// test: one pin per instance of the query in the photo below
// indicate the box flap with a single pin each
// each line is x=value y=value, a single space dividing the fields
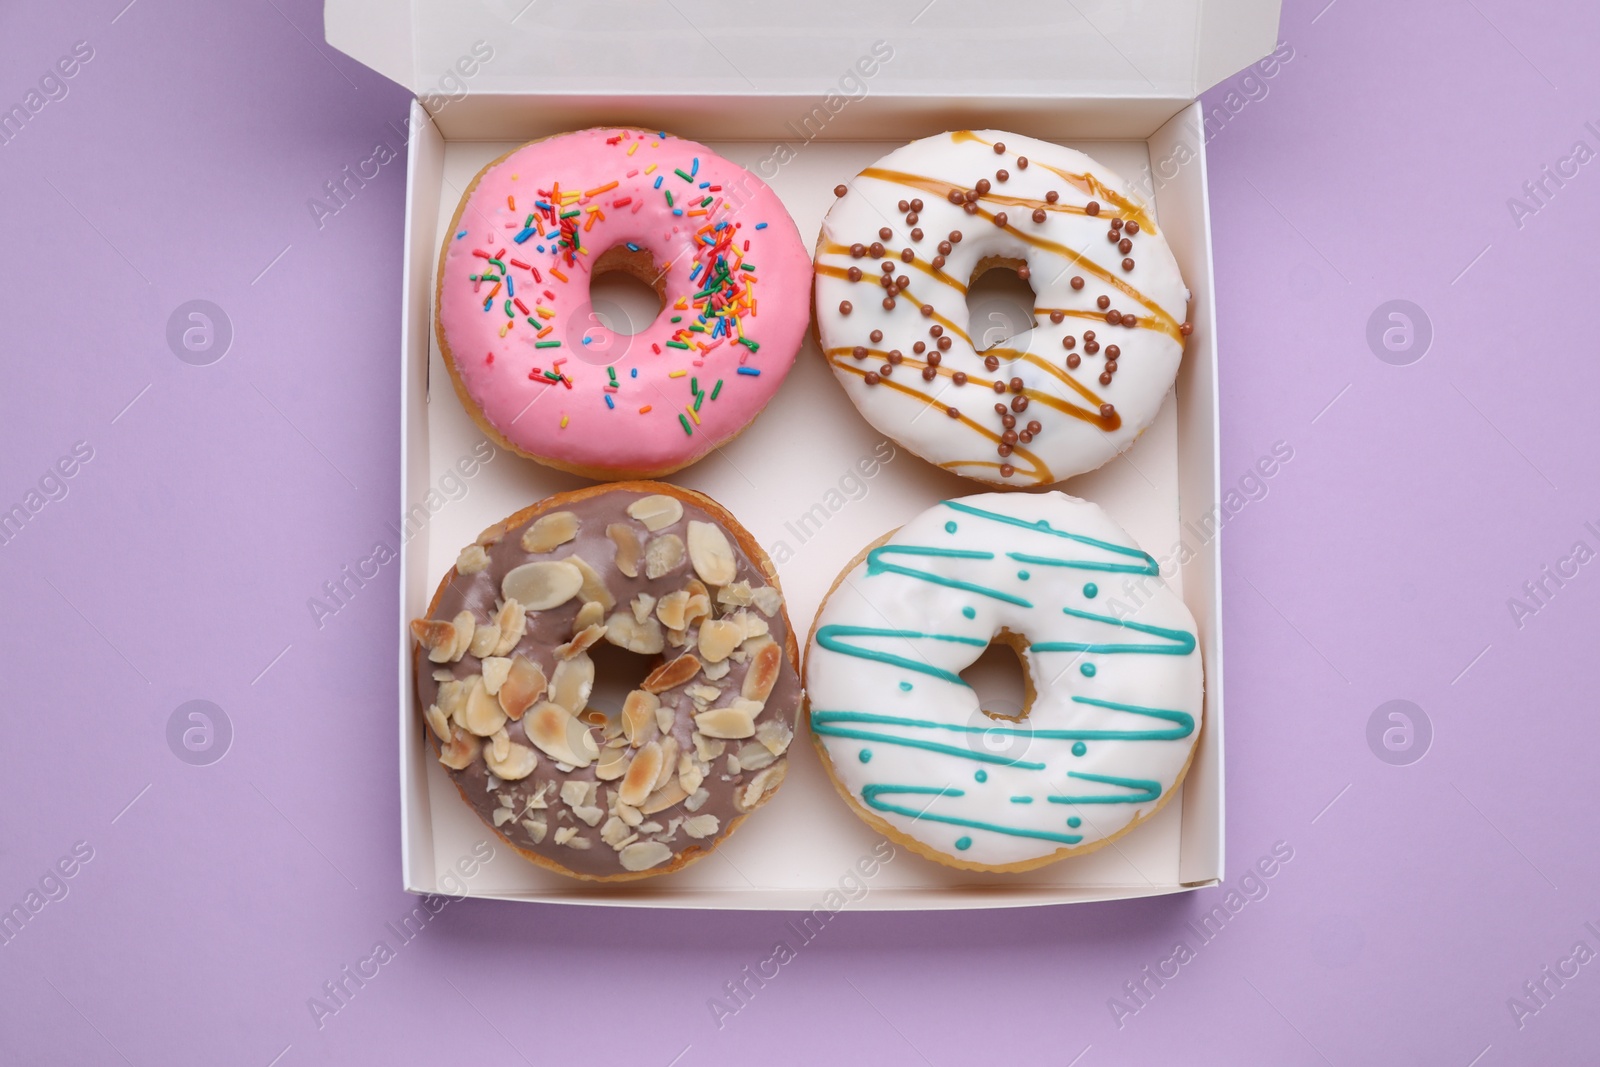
x=443 y=49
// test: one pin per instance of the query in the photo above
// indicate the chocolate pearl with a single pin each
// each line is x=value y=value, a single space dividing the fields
x=1127 y=264
x=937 y=261
x=1051 y=197
x=983 y=186
x=1024 y=273
x=1091 y=208
x=885 y=280
x=934 y=358
x=935 y=330
x=885 y=233
x=1069 y=342
x=999 y=387
x=1000 y=218
x=927 y=313
x=887 y=266
x=902 y=282
x=970 y=208
x=991 y=362
x=1019 y=403
x=1124 y=246
x=895 y=356
x=906 y=255
x=955 y=237
x=944 y=248
x=1091 y=347
x=1016 y=385
x=1007 y=419
x=1009 y=437
x=1186 y=329
x=952 y=412
x=1112 y=351
x=929 y=374
x=912 y=218
x=886 y=370
x=1003 y=449
x=969 y=196
x=919 y=348
x=944 y=343
x=845 y=307
x=1002 y=175
x=858 y=250
x=959 y=377
x=1034 y=427
x=1007 y=470
x=1073 y=360
x=1039 y=214
x=1106 y=411
x=1022 y=162
x=840 y=190
x=1025 y=437
x=1132 y=227
x=916 y=204
x=904 y=207
x=1102 y=302
x=1057 y=315
x=854 y=274
x=999 y=409
x=1077 y=283
x=875 y=336
x=1130 y=321
x=954 y=196
x=1088 y=335
x=875 y=249
x=1114 y=317
x=999 y=148
x=871 y=378
x=1105 y=379
x=1111 y=366
x=916 y=233
x=1116 y=224
x=859 y=351
x=888 y=303
x=1112 y=236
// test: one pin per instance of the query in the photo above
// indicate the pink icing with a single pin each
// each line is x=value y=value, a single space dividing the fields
x=569 y=422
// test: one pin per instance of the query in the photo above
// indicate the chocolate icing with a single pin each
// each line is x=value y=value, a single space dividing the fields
x=480 y=594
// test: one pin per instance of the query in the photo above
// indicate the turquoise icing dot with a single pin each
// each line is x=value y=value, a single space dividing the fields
x=963 y=843
x=1079 y=748
x=1024 y=575
x=1088 y=670
x=865 y=755
x=949 y=527
x=1091 y=590
x=905 y=687
x=969 y=612
x=982 y=776
x=1074 y=822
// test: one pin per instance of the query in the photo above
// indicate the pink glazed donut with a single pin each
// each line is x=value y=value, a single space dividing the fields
x=536 y=367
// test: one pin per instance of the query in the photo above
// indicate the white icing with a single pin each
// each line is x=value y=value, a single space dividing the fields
x=1066 y=445
x=875 y=598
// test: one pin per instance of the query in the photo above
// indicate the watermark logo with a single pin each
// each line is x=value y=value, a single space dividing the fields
x=1399 y=332
x=199 y=332
x=199 y=733
x=1399 y=733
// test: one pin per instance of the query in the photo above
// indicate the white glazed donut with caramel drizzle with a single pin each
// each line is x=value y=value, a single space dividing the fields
x=897 y=253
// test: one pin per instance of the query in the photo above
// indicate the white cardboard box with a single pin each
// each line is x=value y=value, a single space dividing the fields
x=801 y=850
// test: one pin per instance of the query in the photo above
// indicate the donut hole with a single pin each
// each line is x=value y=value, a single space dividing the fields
x=617 y=672
x=1001 y=680
x=1000 y=303
x=627 y=293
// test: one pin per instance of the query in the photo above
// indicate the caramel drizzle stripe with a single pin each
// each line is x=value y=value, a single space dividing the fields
x=1092 y=316
x=1114 y=422
x=1085 y=183
x=1040 y=473
x=844 y=272
x=1169 y=325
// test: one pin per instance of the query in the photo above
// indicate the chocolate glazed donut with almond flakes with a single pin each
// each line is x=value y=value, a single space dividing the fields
x=506 y=665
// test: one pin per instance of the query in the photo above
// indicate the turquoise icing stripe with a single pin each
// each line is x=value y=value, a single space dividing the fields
x=1085 y=565
x=1145 y=789
x=1182 y=641
x=912 y=742
x=1043 y=526
x=871 y=793
x=1183 y=724
x=829 y=638
x=875 y=565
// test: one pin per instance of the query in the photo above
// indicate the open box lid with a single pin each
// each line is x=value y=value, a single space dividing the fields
x=1157 y=49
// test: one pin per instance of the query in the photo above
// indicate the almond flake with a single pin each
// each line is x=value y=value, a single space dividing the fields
x=663 y=555
x=559 y=735
x=572 y=681
x=461 y=751
x=656 y=512
x=766 y=661
x=627 y=542
x=728 y=722
x=472 y=560
x=524 y=683
x=711 y=554
x=549 y=532
x=483 y=714
x=643 y=855
x=495 y=671
x=593 y=587
x=591 y=614
x=543 y=585
x=639 y=716
x=701 y=826
x=513 y=623
x=718 y=639
x=518 y=762
x=536 y=829
x=624 y=630
x=673 y=674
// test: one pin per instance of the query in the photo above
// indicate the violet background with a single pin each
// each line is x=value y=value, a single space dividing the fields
x=1420 y=498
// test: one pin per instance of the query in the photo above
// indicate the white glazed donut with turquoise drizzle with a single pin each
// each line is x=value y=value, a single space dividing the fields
x=1110 y=652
